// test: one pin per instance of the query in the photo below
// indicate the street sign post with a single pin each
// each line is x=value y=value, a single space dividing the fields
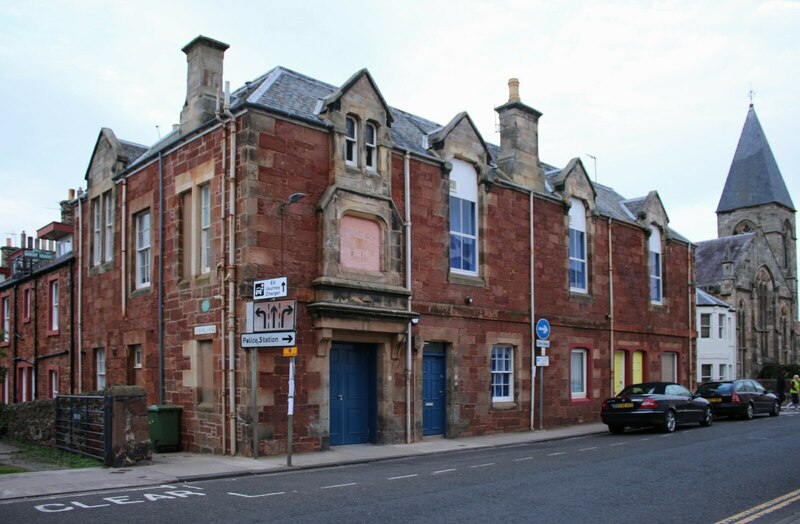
x=277 y=315
x=543 y=328
x=271 y=288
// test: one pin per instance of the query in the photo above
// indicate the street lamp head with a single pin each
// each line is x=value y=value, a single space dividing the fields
x=295 y=197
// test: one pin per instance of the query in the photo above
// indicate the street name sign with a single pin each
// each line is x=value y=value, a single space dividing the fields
x=274 y=339
x=542 y=343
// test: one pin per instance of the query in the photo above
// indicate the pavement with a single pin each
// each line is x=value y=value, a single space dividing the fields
x=170 y=468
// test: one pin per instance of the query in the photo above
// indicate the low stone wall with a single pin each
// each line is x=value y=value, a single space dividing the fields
x=33 y=422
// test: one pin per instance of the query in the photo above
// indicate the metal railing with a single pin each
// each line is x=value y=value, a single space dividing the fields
x=83 y=425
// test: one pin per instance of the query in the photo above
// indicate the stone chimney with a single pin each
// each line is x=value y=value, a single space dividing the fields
x=519 y=140
x=204 y=76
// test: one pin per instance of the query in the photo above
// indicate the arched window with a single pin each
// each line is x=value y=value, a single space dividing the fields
x=745 y=226
x=763 y=311
x=577 y=246
x=655 y=265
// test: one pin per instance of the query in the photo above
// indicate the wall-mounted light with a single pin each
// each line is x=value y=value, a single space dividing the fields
x=468 y=300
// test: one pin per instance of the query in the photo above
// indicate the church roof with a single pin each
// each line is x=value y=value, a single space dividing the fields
x=710 y=255
x=754 y=178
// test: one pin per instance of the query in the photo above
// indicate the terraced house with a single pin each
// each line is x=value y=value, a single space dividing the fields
x=417 y=259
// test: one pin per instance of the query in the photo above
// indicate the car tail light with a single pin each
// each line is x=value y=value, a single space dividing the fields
x=649 y=403
x=735 y=398
x=606 y=406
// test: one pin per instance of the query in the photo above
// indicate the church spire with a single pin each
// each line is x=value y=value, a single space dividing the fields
x=754 y=178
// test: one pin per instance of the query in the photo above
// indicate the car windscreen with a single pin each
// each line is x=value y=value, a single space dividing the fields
x=716 y=387
x=643 y=389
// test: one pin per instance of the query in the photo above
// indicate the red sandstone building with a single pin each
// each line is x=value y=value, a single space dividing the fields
x=420 y=257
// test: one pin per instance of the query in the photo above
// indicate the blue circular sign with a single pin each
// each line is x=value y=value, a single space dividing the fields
x=543 y=329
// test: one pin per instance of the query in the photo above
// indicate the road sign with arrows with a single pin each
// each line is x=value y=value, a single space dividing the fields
x=278 y=315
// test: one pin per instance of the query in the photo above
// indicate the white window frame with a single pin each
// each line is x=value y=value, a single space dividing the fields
x=100 y=365
x=351 y=141
x=97 y=242
x=577 y=377
x=577 y=239
x=53 y=289
x=108 y=237
x=655 y=263
x=52 y=380
x=371 y=147
x=705 y=325
x=137 y=356
x=6 y=319
x=142 y=222
x=502 y=366
x=26 y=303
x=204 y=221
x=721 y=325
x=463 y=193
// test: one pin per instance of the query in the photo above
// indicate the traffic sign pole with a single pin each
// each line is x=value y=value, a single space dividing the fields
x=291 y=413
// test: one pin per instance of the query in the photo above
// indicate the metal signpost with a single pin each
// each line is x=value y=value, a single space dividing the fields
x=542 y=334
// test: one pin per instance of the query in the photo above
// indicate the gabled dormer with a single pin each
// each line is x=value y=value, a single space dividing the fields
x=650 y=214
x=573 y=183
x=361 y=120
x=460 y=139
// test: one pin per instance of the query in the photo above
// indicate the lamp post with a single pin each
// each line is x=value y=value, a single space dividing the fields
x=293 y=198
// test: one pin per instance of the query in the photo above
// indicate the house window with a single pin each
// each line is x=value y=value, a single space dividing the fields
x=24 y=382
x=137 y=356
x=655 y=266
x=351 y=142
x=100 y=367
x=97 y=212
x=721 y=326
x=463 y=218
x=52 y=382
x=577 y=373
x=205 y=372
x=705 y=372
x=705 y=325
x=108 y=237
x=143 y=250
x=205 y=228
x=371 y=146
x=577 y=246
x=502 y=374
x=669 y=367
x=26 y=304
x=6 y=319
x=54 y=305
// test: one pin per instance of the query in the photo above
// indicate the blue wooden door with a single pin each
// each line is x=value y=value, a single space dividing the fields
x=352 y=394
x=434 y=408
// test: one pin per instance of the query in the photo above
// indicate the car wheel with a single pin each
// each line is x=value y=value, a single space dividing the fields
x=668 y=426
x=748 y=412
x=708 y=417
x=616 y=429
x=776 y=409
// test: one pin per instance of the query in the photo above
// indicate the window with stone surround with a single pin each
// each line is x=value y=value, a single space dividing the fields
x=6 y=307
x=205 y=228
x=654 y=243
x=102 y=228
x=100 y=368
x=53 y=299
x=142 y=221
x=577 y=373
x=371 y=146
x=463 y=218
x=205 y=372
x=351 y=142
x=502 y=373
x=669 y=367
x=577 y=246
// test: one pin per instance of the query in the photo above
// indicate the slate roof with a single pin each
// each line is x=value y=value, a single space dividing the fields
x=710 y=255
x=132 y=150
x=704 y=299
x=754 y=178
x=296 y=95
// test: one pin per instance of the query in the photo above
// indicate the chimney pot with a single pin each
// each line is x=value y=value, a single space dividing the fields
x=71 y=194
x=513 y=90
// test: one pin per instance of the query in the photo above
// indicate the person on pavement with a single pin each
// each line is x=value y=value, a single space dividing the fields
x=795 y=392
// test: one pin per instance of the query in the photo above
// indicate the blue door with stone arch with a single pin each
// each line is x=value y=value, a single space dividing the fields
x=434 y=401
x=353 y=404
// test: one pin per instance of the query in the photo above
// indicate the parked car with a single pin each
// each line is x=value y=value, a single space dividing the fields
x=742 y=397
x=660 y=404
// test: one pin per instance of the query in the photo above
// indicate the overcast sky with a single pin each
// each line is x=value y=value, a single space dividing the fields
x=656 y=91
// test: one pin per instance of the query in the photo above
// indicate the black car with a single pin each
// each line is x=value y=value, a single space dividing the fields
x=660 y=404
x=742 y=397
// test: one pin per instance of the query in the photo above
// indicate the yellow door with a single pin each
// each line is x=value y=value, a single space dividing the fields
x=638 y=367
x=619 y=371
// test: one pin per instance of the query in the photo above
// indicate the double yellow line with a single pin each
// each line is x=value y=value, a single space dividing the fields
x=766 y=508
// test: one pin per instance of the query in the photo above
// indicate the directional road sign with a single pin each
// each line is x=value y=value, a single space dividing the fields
x=275 y=339
x=543 y=328
x=272 y=288
x=278 y=315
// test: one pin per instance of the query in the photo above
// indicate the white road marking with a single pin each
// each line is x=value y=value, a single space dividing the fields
x=257 y=496
x=619 y=443
x=483 y=465
x=339 y=485
x=588 y=449
x=523 y=458
x=559 y=453
x=644 y=439
x=403 y=477
x=443 y=471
